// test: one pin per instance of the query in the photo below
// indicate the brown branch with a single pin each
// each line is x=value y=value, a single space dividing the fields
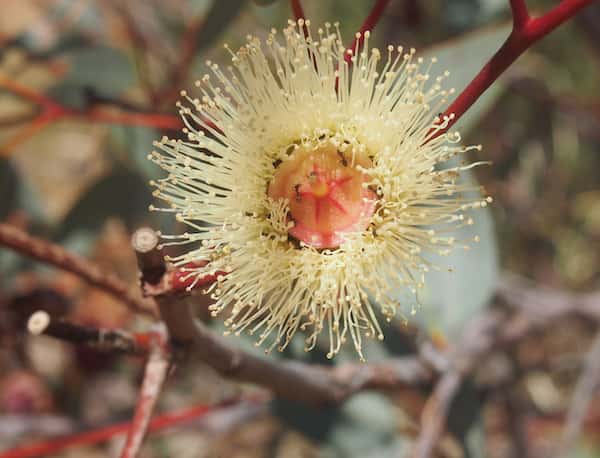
x=480 y=337
x=584 y=393
x=313 y=384
x=40 y=323
x=435 y=412
x=535 y=307
x=540 y=303
x=321 y=385
x=53 y=254
x=309 y=383
x=157 y=368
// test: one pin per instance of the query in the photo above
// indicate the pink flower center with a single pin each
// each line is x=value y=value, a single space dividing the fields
x=326 y=194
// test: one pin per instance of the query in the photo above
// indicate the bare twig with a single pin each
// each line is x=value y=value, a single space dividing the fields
x=50 y=110
x=584 y=392
x=539 y=303
x=160 y=422
x=479 y=338
x=53 y=254
x=157 y=368
x=433 y=418
x=103 y=339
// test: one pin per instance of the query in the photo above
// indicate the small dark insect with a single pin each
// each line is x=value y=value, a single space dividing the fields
x=343 y=160
x=277 y=163
x=297 y=191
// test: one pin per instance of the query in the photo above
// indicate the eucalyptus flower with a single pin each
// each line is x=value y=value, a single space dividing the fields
x=314 y=181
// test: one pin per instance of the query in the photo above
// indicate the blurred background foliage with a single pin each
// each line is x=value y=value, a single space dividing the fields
x=83 y=183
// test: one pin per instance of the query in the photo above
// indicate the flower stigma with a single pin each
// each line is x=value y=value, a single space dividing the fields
x=324 y=188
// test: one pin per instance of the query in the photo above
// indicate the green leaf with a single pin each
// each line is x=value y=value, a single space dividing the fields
x=216 y=20
x=463 y=58
x=365 y=426
x=450 y=299
x=106 y=70
x=135 y=143
x=15 y=194
x=9 y=182
x=123 y=194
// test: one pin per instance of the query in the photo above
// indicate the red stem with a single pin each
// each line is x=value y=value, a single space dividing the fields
x=525 y=33
x=520 y=13
x=52 y=111
x=299 y=14
x=297 y=9
x=369 y=24
x=158 y=423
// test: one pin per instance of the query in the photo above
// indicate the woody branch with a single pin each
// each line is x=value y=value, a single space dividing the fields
x=50 y=253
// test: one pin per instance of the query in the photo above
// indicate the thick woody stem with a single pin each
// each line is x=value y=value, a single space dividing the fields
x=308 y=383
x=302 y=382
x=157 y=368
x=53 y=254
x=40 y=323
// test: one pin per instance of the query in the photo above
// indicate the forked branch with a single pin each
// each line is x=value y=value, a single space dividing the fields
x=526 y=31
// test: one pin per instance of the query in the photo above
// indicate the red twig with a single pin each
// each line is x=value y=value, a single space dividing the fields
x=155 y=375
x=156 y=120
x=52 y=111
x=47 y=252
x=179 y=73
x=297 y=9
x=525 y=33
x=298 y=12
x=520 y=13
x=158 y=423
x=369 y=24
x=156 y=279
